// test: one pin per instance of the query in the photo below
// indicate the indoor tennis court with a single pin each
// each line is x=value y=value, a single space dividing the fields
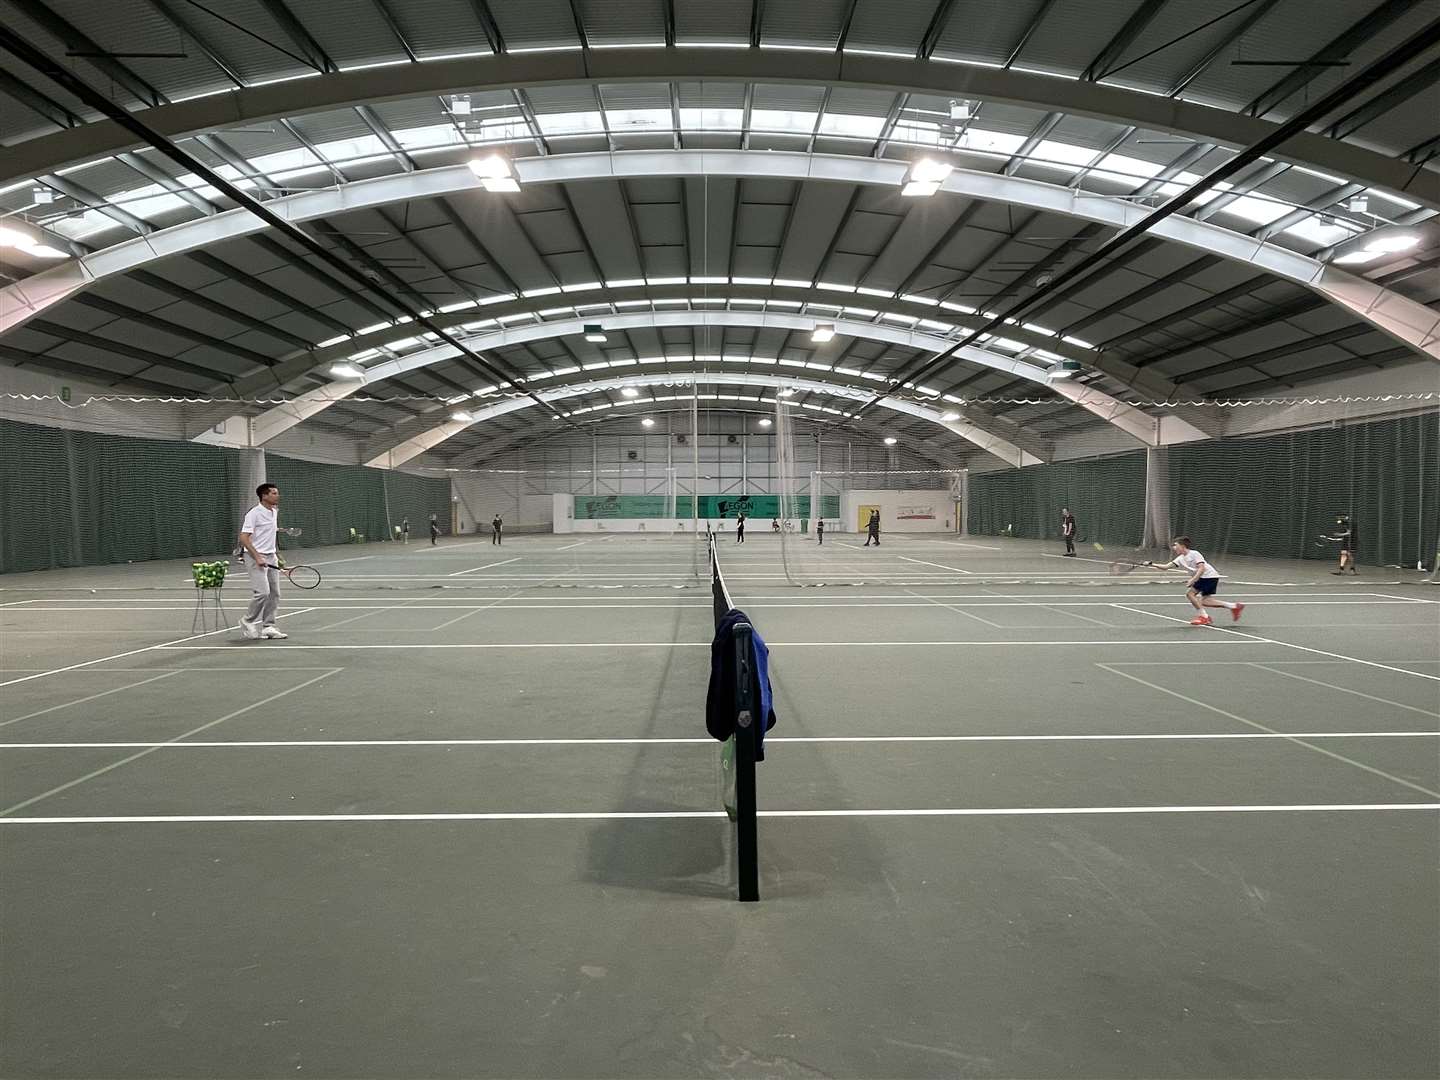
x=1017 y=829
x=435 y=437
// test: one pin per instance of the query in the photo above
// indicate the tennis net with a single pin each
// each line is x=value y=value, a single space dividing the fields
x=723 y=603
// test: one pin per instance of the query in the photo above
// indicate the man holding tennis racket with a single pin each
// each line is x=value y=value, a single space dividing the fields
x=258 y=538
x=1204 y=580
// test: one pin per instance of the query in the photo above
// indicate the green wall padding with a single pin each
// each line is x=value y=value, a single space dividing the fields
x=82 y=498
x=86 y=498
x=1106 y=495
x=326 y=501
x=1273 y=496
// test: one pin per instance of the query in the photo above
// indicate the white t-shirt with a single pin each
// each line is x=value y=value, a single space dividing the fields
x=1191 y=561
x=260 y=524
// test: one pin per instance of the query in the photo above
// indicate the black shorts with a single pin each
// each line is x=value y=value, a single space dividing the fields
x=1206 y=586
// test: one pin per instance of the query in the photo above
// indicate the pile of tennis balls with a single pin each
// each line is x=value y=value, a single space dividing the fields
x=209 y=575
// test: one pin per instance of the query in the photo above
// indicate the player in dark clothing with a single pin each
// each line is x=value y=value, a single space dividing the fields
x=1346 y=534
x=434 y=530
x=1067 y=530
x=872 y=531
x=740 y=528
x=497 y=530
x=820 y=529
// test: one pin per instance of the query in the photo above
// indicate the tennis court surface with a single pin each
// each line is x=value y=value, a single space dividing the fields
x=1018 y=819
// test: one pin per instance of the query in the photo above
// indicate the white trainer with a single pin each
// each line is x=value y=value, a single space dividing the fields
x=249 y=630
x=273 y=632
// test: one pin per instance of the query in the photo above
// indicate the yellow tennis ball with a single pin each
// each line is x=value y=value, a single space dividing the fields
x=1099 y=547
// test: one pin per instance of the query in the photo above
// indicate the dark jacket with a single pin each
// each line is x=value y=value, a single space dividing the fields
x=720 y=704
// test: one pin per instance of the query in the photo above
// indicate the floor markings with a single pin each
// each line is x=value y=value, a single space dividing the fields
x=942 y=566
x=135 y=652
x=457 y=573
x=92 y=697
x=150 y=750
x=1347 y=690
x=1262 y=727
x=705 y=645
x=291 y=744
x=674 y=815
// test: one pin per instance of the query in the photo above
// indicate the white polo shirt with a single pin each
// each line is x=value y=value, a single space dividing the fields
x=260 y=523
x=1191 y=561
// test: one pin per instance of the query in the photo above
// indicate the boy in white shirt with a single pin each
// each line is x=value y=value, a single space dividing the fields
x=1204 y=581
x=257 y=537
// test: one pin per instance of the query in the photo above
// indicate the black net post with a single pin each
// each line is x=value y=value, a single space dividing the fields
x=746 y=733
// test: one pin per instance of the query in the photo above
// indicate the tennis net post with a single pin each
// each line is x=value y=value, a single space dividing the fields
x=746 y=733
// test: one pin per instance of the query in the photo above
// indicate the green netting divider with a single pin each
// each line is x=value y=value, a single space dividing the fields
x=82 y=498
x=1106 y=495
x=712 y=507
x=327 y=501
x=1273 y=495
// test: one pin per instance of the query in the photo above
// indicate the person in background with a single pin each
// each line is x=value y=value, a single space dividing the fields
x=1067 y=530
x=872 y=530
x=774 y=524
x=1345 y=533
x=405 y=530
x=497 y=526
x=257 y=537
x=1204 y=581
x=820 y=530
x=434 y=529
x=740 y=528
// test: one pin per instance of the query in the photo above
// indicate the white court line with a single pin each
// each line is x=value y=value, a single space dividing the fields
x=135 y=652
x=150 y=750
x=287 y=744
x=1347 y=690
x=962 y=611
x=1261 y=727
x=660 y=815
x=92 y=697
x=567 y=547
x=336 y=562
x=925 y=562
x=457 y=573
x=705 y=645
x=1287 y=644
x=841 y=595
x=366 y=614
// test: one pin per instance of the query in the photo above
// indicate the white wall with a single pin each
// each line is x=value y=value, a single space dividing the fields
x=902 y=511
x=480 y=496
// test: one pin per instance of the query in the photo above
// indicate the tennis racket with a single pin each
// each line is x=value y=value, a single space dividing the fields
x=1124 y=566
x=301 y=576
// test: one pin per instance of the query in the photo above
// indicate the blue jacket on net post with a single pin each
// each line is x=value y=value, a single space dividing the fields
x=720 y=703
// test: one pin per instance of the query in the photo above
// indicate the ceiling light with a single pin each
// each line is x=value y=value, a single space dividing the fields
x=949 y=417
x=460 y=416
x=347 y=371
x=15 y=238
x=787 y=393
x=494 y=173
x=43 y=196
x=594 y=332
x=647 y=422
x=1065 y=369
x=1395 y=242
x=629 y=391
x=822 y=333
x=890 y=440
x=460 y=105
x=1356 y=258
x=44 y=251
x=1359 y=204
x=918 y=189
x=764 y=423
x=960 y=110
x=930 y=171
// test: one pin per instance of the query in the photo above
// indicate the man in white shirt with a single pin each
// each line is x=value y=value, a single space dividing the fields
x=1204 y=581
x=257 y=537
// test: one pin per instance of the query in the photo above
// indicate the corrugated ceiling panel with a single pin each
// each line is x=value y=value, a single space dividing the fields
x=985 y=31
x=622 y=22
x=847 y=101
x=797 y=98
x=1278 y=36
x=803 y=22
x=712 y=95
x=329 y=126
x=535 y=24
x=441 y=27
x=415 y=113
x=351 y=33
x=253 y=55
x=1172 y=62
x=890 y=25
x=562 y=99
x=705 y=20
x=635 y=96
x=136 y=26
x=1073 y=35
